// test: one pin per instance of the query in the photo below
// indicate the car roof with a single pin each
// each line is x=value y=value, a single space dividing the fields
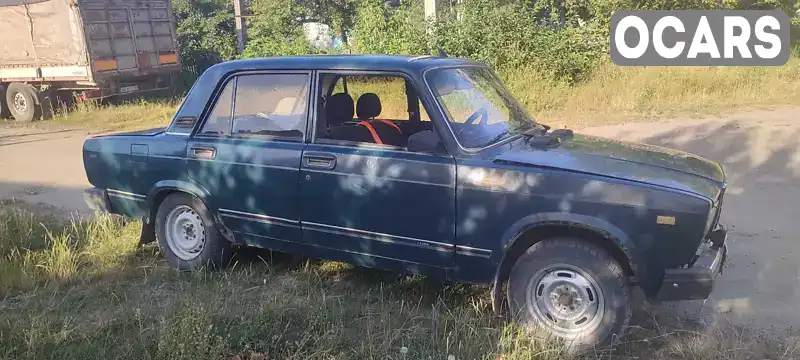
x=344 y=62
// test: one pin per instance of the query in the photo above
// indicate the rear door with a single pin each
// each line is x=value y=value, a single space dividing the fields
x=134 y=36
x=246 y=154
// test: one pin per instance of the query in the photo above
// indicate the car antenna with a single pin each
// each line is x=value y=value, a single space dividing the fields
x=441 y=52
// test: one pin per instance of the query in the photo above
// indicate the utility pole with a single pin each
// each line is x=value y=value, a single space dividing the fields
x=430 y=15
x=241 y=26
x=430 y=10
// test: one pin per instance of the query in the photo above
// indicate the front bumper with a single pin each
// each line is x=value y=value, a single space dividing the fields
x=697 y=281
x=97 y=200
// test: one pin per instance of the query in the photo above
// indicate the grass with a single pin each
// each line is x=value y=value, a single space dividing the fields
x=612 y=95
x=126 y=116
x=616 y=94
x=83 y=290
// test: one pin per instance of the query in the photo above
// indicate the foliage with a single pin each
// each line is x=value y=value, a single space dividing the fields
x=558 y=39
x=205 y=30
x=513 y=35
x=380 y=29
x=274 y=29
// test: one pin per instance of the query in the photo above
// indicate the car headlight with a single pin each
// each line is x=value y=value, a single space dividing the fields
x=710 y=221
x=714 y=213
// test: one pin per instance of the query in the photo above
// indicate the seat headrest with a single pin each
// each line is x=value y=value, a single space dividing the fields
x=369 y=106
x=339 y=108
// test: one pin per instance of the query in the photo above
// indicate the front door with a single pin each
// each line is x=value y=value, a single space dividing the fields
x=381 y=204
x=247 y=155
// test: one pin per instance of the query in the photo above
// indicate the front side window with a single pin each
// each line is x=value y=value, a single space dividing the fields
x=480 y=110
x=369 y=108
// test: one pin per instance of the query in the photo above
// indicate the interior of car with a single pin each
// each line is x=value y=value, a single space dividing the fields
x=375 y=109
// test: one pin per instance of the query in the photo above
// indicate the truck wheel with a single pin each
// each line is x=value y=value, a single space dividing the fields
x=23 y=102
x=187 y=234
x=572 y=290
x=3 y=106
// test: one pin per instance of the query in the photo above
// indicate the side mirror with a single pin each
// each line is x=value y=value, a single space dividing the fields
x=425 y=141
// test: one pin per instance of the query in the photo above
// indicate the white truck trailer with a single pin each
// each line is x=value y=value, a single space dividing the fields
x=85 y=48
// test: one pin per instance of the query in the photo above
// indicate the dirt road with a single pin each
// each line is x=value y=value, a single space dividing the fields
x=760 y=151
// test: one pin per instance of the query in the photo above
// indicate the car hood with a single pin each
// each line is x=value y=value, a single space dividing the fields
x=624 y=160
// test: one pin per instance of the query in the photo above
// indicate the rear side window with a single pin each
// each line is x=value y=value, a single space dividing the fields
x=271 y=105
x=219 y=120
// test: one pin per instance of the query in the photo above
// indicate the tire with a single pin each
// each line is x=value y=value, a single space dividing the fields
x=542 y=291
x=3 y=106
x=23 y=102
x=199 y=242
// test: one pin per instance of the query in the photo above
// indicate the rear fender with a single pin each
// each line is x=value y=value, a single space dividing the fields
x=161 y=190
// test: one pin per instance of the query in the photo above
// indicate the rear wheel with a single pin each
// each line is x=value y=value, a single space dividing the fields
x=23 y=102
x=187 y=234
x=3 y=106
x=573 y=291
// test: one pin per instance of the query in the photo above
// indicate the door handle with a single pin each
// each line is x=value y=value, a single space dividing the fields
x=204 y=153
x=324 y=161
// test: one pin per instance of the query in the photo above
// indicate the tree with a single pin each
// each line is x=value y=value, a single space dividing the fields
x=205 y=31
x=276 y=29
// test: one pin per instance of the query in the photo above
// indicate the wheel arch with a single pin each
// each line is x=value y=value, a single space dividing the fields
x=535 y=228
x=161 y=190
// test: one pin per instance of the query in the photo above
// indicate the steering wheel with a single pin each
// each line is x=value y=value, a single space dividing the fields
x=472 y=132
x=482 y=112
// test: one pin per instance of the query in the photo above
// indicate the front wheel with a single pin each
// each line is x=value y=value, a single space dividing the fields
x=573 y=290
x=187 y=234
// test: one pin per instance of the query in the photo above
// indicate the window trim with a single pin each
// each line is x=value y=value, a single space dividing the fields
x=233 y=76
x=355 y=144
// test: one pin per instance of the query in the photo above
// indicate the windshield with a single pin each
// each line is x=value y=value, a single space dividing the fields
x=480 y=110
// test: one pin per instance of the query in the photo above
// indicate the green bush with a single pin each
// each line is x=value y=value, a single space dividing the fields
x=514 y=35
x=380 y=29
x=560 y=40
x=275 y=31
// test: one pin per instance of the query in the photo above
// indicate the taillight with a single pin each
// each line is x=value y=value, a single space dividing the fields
x=168 y=58
x=105 y=65
x=91 y=94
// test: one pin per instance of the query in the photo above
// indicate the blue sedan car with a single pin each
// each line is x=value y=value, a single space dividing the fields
x=423 y=165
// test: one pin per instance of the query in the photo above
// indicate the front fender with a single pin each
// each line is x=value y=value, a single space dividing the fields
x=648 y=277
x=611 y=232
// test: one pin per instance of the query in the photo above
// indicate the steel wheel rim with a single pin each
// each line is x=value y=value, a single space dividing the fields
x=185 y=232
x=20 y=104
x=565 y=299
